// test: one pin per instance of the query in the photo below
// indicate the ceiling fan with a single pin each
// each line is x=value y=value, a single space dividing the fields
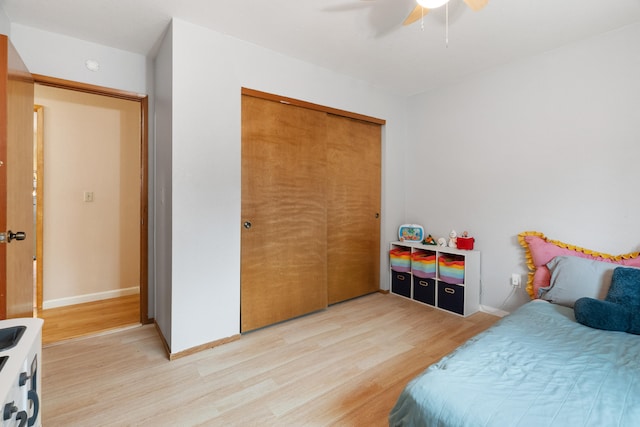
x=423 y=7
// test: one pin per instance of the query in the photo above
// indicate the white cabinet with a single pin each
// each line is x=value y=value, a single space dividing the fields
x=21 y=371
x=443 y=277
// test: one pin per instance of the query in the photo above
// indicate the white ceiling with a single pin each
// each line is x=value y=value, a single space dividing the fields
x=361 y=38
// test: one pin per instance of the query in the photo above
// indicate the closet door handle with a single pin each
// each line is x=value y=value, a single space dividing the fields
x=247 y=224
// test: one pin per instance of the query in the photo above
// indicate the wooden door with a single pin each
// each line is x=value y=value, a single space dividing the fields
x=16 y=183
x=353 y=207
x=283 y=243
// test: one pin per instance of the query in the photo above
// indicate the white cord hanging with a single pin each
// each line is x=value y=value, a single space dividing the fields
x=446 y=36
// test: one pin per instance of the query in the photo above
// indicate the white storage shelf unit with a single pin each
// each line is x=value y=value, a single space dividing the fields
x=443 y=277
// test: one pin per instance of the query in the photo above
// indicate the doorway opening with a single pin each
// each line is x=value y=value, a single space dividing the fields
x=96 y=188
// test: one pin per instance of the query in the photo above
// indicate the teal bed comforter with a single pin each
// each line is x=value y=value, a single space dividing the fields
x=535 y=367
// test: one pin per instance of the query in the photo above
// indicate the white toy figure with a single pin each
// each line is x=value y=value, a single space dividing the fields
x=442 y=241
x=453 y=239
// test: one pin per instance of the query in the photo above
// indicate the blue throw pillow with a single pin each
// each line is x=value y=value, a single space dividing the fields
x=620 y=311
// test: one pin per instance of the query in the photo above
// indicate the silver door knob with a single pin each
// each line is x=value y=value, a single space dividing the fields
x=247 y=224
x=20 y=235
x=10 y=235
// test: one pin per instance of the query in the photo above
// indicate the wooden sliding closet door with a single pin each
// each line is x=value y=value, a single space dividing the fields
x=283 y=243
x=353 y=207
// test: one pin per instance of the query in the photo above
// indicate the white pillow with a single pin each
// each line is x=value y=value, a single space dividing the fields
x=575 y=277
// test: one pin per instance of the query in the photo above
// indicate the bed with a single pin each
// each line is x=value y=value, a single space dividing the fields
x=537 y=367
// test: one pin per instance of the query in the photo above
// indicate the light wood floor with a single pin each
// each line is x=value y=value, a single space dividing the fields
x=64 y=323
x=343 y=366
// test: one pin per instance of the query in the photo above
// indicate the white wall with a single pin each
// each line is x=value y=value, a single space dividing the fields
x=162 y=122
x=151 y=172
x=209 y=70
x=5 y=24
x=550 y=144
x=64 y=57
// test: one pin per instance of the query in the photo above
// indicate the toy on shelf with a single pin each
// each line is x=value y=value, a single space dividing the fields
x=411 y=233
x=429 y=240
x=465 y=242
x=453 y=237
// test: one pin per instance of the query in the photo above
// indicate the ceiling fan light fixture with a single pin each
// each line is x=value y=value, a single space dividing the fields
x=432 y=4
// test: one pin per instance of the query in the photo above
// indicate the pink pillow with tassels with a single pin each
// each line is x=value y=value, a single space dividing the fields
x=541 y=250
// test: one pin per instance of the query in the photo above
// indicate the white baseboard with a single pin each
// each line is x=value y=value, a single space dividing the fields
x=79 y=299
x=494 y=311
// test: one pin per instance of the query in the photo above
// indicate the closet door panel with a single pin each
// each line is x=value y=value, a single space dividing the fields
x=353 y=207
x=283 y=251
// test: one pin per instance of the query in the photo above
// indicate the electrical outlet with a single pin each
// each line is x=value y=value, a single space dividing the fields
x=88 y=196
x=515 y=280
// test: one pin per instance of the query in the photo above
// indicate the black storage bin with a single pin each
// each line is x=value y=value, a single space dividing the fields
x=451 y=297
x=401 y=283
x=424 y=290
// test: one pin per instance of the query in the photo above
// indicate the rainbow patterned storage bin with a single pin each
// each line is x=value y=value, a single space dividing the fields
x=423 y=264
x=400 y=259
x=451 y=269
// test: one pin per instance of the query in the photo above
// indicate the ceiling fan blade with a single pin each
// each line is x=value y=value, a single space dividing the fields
x=417 y=13
x=476 y=5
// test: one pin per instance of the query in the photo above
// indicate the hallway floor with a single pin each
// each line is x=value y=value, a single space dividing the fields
x=92 y=318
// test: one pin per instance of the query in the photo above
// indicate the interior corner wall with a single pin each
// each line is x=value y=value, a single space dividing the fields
x=209 y=69
x=549 y=143
x=162 y=123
